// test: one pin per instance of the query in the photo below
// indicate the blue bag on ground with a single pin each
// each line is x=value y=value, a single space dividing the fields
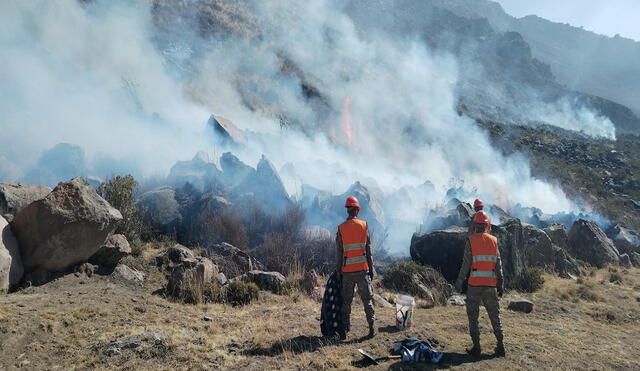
x=331 y=311
x=413 y=349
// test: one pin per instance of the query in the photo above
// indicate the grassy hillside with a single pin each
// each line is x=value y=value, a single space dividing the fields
x=74 y=322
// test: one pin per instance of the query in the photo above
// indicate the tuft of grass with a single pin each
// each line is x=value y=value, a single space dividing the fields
x=239 y=293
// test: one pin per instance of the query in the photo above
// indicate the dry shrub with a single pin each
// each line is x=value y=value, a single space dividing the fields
x=530 y=280
x=119 y=191
x=580 y=290
x=212 y=227
x=615 y=277
x=405 y=277
x=239 y=293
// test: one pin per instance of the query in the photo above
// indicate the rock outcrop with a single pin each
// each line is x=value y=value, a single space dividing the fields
x=65 y=228
x=192 y=274
x=15 y=196
x=588 y=242
x=511 y=243
x=200 y=172
x=231 y=260
x=268 y=281
x=538 y=250
x=160 y=209
x=227 y=133
x=625 y=239
x=442 y=250
x=112 y=251
x=558 y=235
x=10 y=261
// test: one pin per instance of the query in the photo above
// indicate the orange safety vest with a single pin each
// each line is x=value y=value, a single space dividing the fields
x=354 y=242
x=484 y=252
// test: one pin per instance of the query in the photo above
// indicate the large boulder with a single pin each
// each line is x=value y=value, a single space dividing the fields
x=231 y=260
x=625 y=260
x=190 y=276
x=565 y=264
x=268 y=281
x=65 y=228
x=635 y=259
x=161 y=209
x=588 y=242
x=15 y=196
x=626 y=240
x=234 y=171
x=10 y=261
x=558 y=235
x=538 y=247
x=227 y=132
x=268 y=186
x=442 y=250
x=112 y=251
x=174 y=255
x=511 y=242
x=200 y=171
x=197 y=222
x=328 y=211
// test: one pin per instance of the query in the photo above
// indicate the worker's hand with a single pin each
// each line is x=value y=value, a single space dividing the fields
x=500 y=291
x=371 y=275
x=459 y=285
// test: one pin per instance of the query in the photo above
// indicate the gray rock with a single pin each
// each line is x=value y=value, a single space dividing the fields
x=565 y=264
x=160 y=209
x=147 y=345
x=112 y=251
x=511 y=242
x=231 y=260
x=200 y=172
x=15 y=196
x=11 y=269
x=520 y=305
x=626 y=240
x=127 y=273
x=558 y=235
x=65 y=228
x=442 y=250
x=221 y=278
x=191 y=275
x=234 y=171
x=268 y=281
x=589 y=243
x=227 y=133
x=174 y=255
x=538 y=250
x=635 y=259
x=382 y=302
x=625 y=260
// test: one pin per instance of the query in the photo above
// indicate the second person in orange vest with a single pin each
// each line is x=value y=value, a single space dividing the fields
x=482 y=263
x=355 y=264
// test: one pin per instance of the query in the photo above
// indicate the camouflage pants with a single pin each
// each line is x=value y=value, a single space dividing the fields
x=349 y=281
x=488 y=296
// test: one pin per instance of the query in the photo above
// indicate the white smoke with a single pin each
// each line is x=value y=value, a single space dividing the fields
x=93 y=77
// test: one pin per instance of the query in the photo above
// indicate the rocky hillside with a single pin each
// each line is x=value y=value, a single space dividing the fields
x=605 y=174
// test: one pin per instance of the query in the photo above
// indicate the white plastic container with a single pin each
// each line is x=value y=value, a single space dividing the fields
x=405 y=305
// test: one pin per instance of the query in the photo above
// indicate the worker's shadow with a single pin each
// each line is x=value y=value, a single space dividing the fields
x=448 y=360
x=296 y=345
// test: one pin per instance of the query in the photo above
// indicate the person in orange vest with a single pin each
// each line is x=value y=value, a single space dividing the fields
x=355 y=265
x=478 y=206
x=483 y=265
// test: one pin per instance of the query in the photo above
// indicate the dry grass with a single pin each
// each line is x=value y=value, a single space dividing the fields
x=63 y=324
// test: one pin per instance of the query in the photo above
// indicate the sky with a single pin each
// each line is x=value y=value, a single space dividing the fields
x=607 y=17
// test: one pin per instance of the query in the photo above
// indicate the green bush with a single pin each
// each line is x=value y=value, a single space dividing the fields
x=119 y=191
x=239 y=293
x=530 y=280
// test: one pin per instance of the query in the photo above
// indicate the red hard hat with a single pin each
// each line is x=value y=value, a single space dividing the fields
x=478 y=203
x=352 y=202
x=482 y=218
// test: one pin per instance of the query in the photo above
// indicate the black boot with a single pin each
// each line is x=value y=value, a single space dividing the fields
x=372 y=331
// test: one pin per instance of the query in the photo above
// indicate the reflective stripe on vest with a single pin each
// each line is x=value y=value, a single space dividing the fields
x=354 y=241
x=484 y=253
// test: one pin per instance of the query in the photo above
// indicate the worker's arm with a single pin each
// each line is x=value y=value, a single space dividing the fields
x=466 y=266
x=339 y=252
x=369 y=254
x=499 y=277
